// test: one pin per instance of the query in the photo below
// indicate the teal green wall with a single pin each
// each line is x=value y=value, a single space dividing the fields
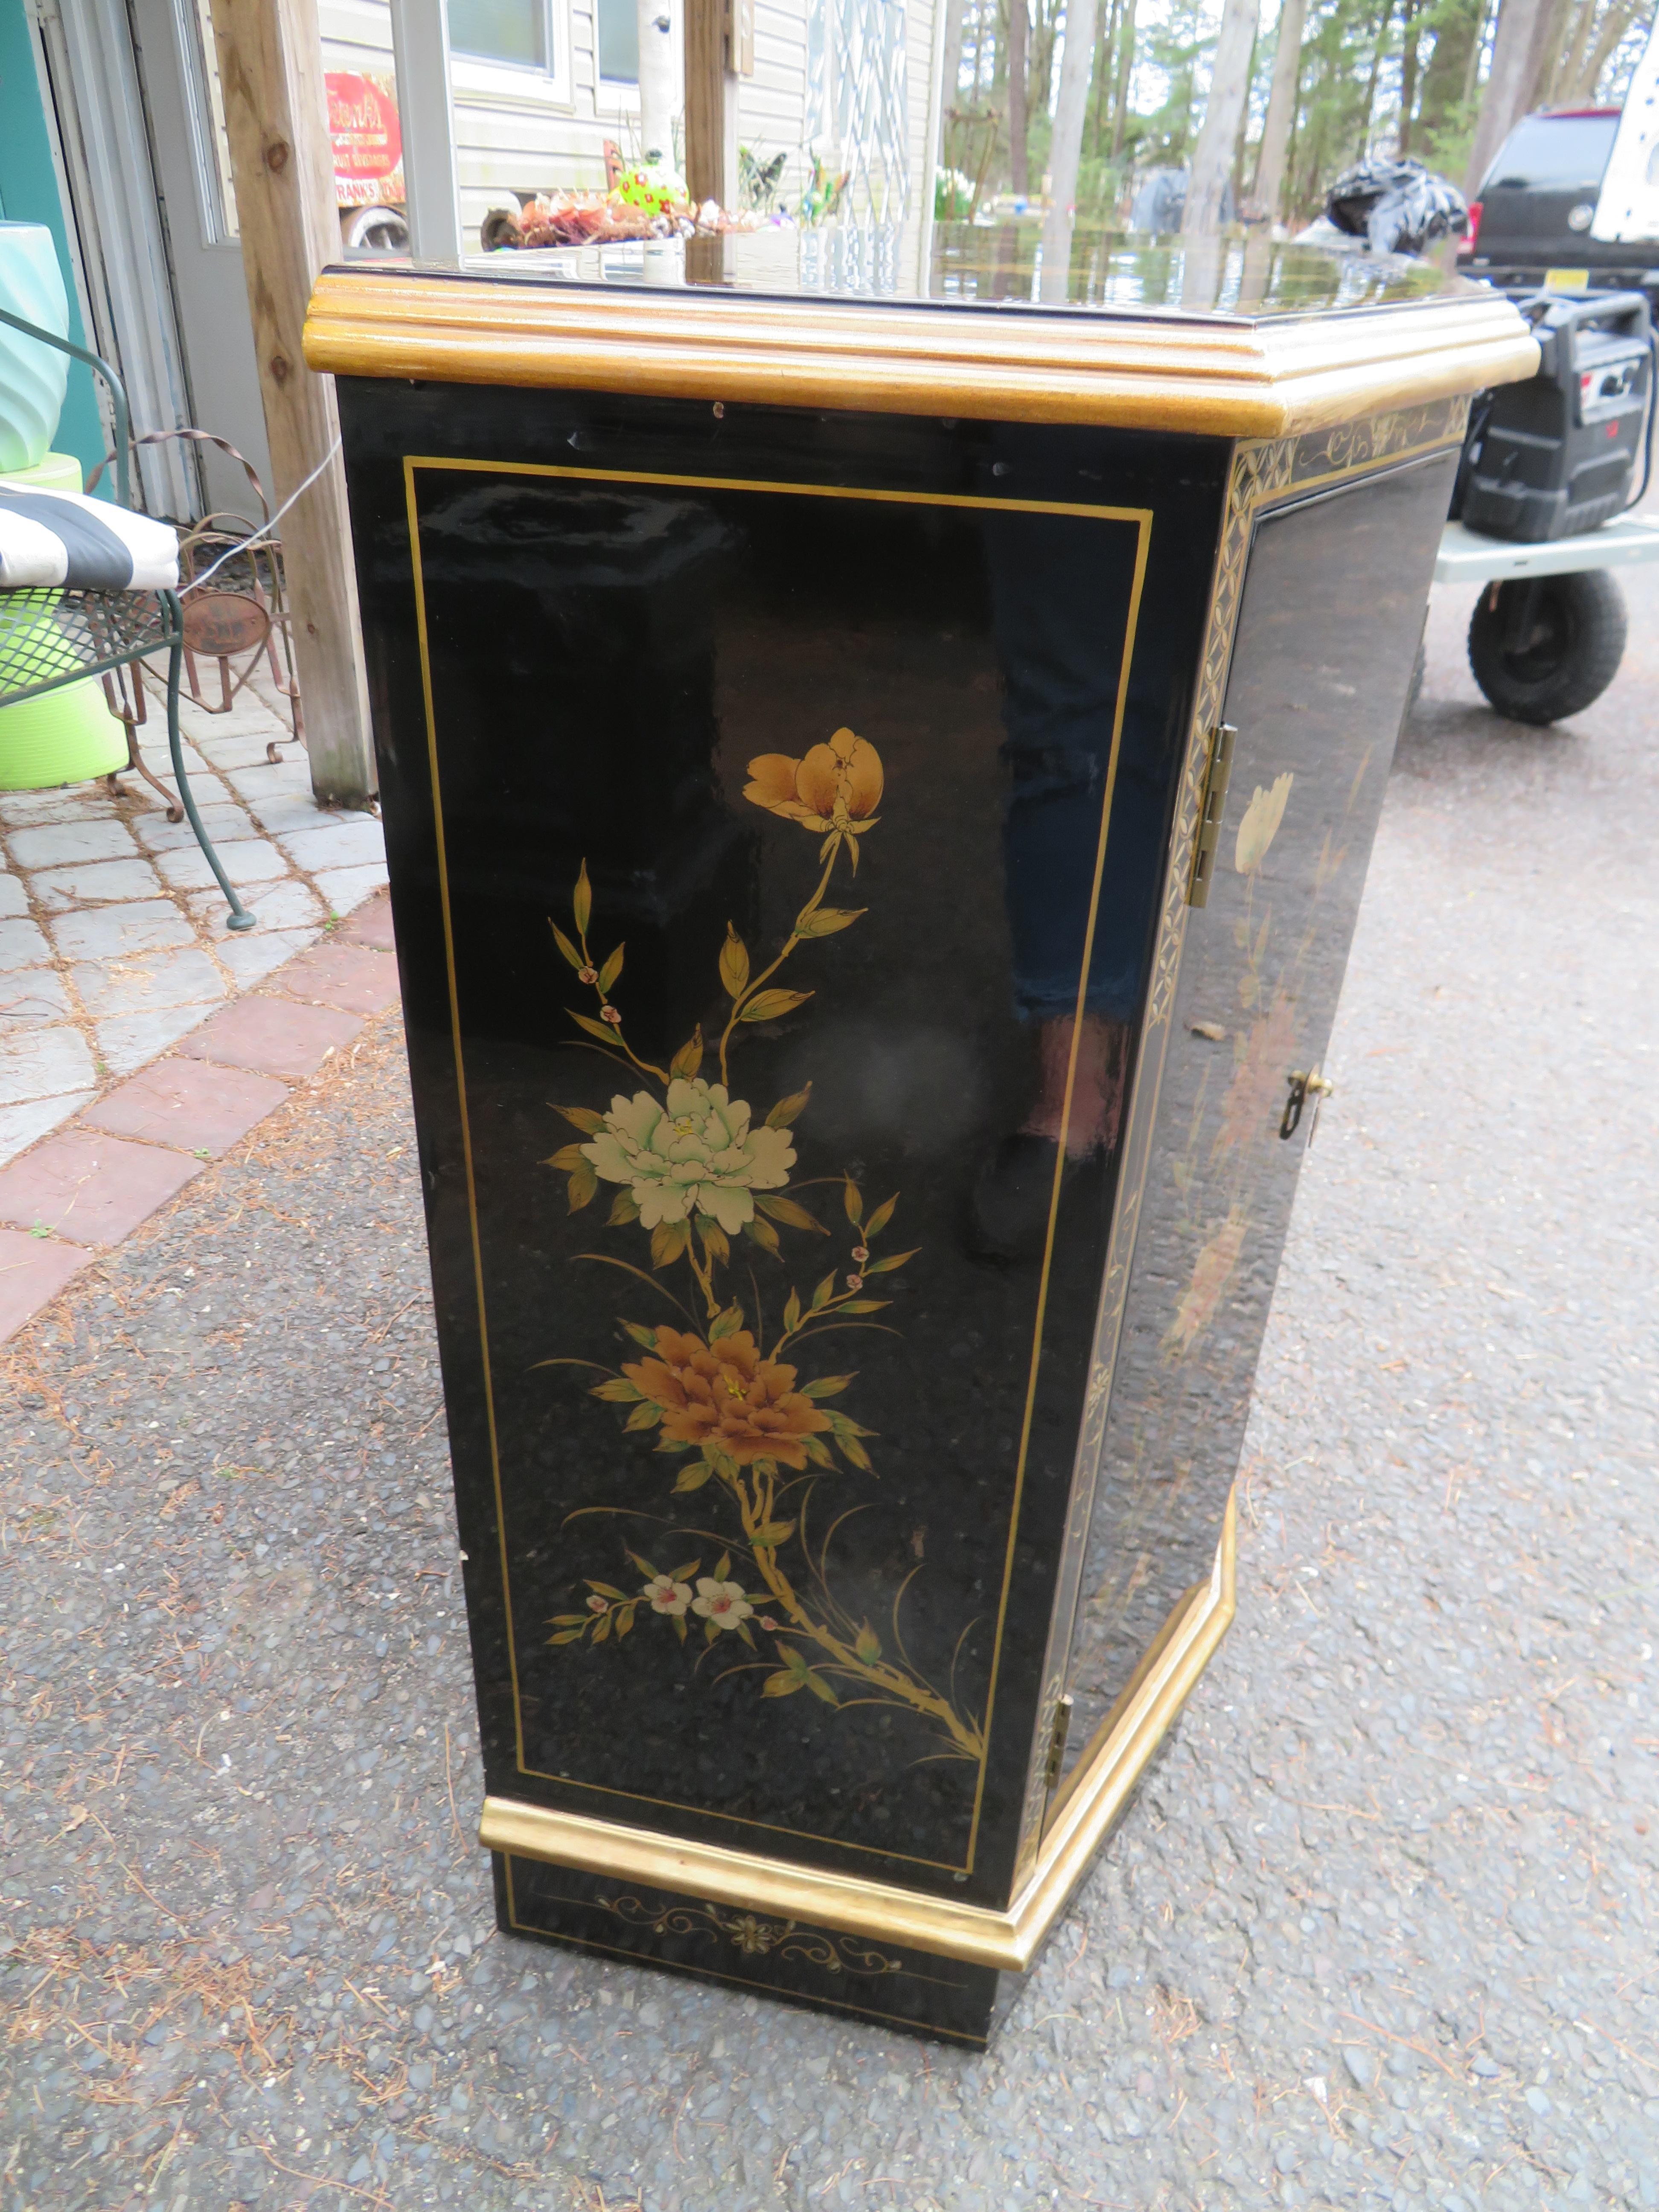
x=29 y=193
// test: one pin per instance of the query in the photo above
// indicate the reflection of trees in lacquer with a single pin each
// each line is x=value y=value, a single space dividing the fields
x=721 y=1389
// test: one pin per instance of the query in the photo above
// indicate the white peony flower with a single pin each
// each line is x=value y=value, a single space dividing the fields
x=724 y=1603
x=697 y=1156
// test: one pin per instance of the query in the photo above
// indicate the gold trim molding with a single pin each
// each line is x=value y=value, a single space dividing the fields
x=1217 y=375
x=1008 y=1939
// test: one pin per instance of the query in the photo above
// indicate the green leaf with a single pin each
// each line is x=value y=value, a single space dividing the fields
x=845 y=1425
x=566 y=1160
x=569 y=1635
x=818 y=1451
x=787 y=1109
x=775 y=1685
x=713 y=1238
x=825 y=921
x=723 y=1568
x=689 y=1058
x=820 y=1688
x=710 y=1631
x=821 y=1295
x=764 y=1235
x=583 y=1187
x=773 y=1006
x=606 y=1589
x=679 y=1625
x=581 y=902
x=725 y=1324
x=868 y=1645
x=791 y=1313
x=886 y=1267
x=646 y=1416
x=685 y=1574
x=786 y=1211
x=725 y=1466
x=853 y=1451
x=603 y=1030
x=743 y=1631
x=609 y=973
x=617 y=1391
x=879 y=1219
x=771 y=1533
x=692 y=1477
x=623 y=1210
x=602 y=1627
x=641 y=1334
x=565 y=945
x=734 y=963
x=624 y=1623
x=864 y=1305
x=567 y=1620
x=644 y=1565
x=853 y=1201
x=823 y=1386
x=582 y=1118
x=668 y=1239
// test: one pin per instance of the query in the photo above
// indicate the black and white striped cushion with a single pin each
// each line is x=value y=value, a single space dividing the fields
x=59 y=537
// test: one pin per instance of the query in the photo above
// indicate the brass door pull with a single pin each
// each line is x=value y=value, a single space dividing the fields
x=1305 y=1084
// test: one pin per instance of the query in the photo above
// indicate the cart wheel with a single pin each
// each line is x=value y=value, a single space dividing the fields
x=1550 y=644
x=1414 y=689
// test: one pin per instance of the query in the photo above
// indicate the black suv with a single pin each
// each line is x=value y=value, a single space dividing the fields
x=1536 y=205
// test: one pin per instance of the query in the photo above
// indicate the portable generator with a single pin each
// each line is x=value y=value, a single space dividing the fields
x=1558 y=454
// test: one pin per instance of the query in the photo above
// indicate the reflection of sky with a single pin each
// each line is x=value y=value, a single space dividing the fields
x=1125 y=269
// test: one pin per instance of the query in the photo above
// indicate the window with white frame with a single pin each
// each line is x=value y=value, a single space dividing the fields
x=513 y=31
x=616 y=28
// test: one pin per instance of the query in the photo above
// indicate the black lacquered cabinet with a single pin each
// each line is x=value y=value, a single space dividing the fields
x=876 y=799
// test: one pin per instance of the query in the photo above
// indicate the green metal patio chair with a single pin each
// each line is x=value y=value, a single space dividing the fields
x=54 y=635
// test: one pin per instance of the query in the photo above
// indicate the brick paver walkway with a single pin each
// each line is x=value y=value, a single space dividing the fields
x=90 y=1184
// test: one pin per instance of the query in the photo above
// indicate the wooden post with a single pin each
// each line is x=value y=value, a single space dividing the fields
x=710 y=149
x=270 y=65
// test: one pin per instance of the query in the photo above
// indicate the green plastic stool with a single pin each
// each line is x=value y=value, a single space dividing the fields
x=68 y=736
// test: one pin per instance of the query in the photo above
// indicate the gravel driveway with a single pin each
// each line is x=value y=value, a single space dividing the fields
x=1381 y=1929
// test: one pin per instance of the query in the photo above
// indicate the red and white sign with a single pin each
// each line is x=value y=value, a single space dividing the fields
x=368 y=141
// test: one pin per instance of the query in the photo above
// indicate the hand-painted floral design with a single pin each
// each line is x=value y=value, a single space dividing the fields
x=693 y=1169
x=664 y=1594
x=1211 y=1273
x=836 y=790
x=727 y=1394
x=724 y=1603
x=1259 y=824
x=694 y=1153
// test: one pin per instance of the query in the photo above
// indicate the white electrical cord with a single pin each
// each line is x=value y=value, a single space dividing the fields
x=264 y=531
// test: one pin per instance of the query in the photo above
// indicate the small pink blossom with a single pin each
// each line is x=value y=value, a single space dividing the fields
x=599 y=1605
x=860 y=1253
x=587 y=975
x=855 y=1282
x=770 y=1626
x=609 y=1014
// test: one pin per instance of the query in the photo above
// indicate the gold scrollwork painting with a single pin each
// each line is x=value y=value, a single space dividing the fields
x=756 y=1937
x=734 y=1395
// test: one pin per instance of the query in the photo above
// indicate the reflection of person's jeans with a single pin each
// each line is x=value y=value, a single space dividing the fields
x=1060 y=590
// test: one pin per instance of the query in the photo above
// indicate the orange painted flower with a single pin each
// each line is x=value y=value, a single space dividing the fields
x=837 y=787
x=725 y=1396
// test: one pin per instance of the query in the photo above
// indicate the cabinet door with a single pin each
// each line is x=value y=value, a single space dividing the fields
x=1328 y=629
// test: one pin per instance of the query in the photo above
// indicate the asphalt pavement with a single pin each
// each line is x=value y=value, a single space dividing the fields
x=1381 y=1929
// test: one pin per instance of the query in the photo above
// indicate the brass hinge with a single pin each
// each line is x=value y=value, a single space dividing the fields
x=1057 y=1744
x=1217 y=776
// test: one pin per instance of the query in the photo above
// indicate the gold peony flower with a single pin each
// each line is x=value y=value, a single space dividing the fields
x=836 y=790
x=697 y=1155
x=725 y=1395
